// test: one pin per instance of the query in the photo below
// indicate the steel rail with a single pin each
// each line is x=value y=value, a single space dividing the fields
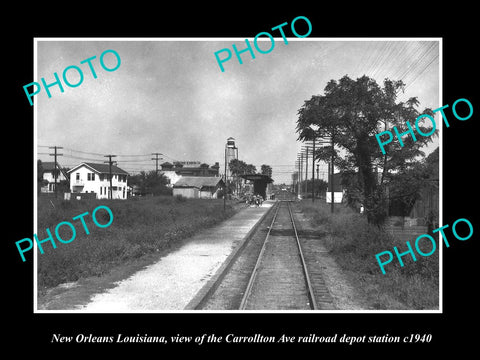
x=248 y=290
x=311 y=295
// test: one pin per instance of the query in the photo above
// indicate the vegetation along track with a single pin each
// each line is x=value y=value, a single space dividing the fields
x=275 y=270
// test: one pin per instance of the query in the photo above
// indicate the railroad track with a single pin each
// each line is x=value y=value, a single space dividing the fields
x=280 y=277
x=276 y=270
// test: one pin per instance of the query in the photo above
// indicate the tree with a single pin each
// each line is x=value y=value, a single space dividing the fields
x=237 y=167
x=150 y=183
x=266 y=170
x=250 y=169
x=350 y=113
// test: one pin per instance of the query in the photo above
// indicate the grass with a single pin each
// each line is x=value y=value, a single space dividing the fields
x=141 y=226
x=354 y=243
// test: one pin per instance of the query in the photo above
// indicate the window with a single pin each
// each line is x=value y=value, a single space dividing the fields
x=91 y=176
x=77 y=176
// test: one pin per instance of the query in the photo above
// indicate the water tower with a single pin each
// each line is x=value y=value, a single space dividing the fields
x=231 y=152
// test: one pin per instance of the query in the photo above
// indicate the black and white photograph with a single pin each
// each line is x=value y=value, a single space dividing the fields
x=237 y=214
x=273 y=182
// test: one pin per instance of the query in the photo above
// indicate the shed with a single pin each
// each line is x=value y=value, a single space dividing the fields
x=260 y=182
x=204 y=187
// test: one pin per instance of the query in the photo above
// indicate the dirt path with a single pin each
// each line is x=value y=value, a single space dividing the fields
x=341 y=287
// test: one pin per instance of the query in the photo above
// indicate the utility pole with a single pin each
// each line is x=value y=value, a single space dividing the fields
x=110 y=173
x=333 y=171
x=55 y=154
x=298 y=177
x=156 y=161
x=313 y=169
x=236 y=176
x=306 y=172
x=225 y=186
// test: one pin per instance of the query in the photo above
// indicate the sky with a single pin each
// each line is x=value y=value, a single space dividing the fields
x=169 y=96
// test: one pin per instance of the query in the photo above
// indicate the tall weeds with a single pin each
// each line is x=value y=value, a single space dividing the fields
x=140 y=226
x=354 y=243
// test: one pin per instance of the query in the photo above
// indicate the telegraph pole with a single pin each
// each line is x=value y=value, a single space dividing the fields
x=314 y=128
x=301 y=175
x=156 y=161
x=298 y=177
x=225 y=186
x=332 y=206
x=55 y=154
x=306 y=172
x=313 y=169
x=110 y=172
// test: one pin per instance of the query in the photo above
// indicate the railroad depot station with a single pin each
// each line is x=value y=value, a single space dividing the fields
x=259 y=182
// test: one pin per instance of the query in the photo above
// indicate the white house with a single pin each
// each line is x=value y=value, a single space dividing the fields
x=48 y=175
x=94 y=178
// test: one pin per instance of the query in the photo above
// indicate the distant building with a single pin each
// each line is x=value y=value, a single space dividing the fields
x=260 y=183
x=173 y=172
x=94 y=178
x=198 y=187
x=338 y=189
x=48 y=175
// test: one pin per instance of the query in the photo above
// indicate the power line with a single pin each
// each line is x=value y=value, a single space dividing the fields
x=110 y=162
x=423 y=70
x=156 y=161
x=84 y=152
x=55 y=154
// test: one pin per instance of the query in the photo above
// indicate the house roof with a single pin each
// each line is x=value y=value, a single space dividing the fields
x=49 y=166
x=197 y=181
x=254 y=177
x=101 y=168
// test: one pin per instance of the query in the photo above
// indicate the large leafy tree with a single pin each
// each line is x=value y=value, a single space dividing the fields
x=350 y=114
x=250 y=169
x=150 y=183
x=266 y=170
x=240 y=167
x=237 y=167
